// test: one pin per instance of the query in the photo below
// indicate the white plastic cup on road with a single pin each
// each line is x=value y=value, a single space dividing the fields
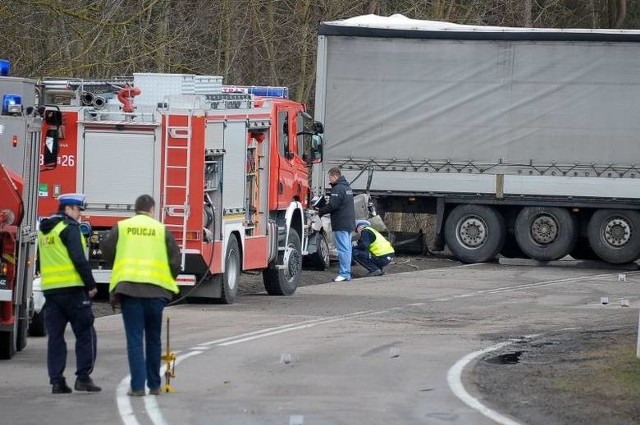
x=622 y=277
x=624 y=303
x=604 y=300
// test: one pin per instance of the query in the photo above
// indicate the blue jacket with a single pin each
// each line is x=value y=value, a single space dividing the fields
x=340 y=206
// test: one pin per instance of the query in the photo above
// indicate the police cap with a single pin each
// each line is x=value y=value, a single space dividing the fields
x=72 y=199
x=362 y=223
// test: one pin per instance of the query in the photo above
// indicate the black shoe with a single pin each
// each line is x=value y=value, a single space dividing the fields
x=87 y=385
x=375 y=273
x=61 y=388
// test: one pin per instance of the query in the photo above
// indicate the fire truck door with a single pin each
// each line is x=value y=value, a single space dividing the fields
x=289 y=184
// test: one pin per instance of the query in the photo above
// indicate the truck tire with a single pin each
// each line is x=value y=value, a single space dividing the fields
x=284 y=281
x=614 y=235
x=320 y=260
x=546 y=233
x=474 y=233
x=231 y=275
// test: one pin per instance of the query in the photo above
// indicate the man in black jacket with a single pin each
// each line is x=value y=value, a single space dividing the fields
x=343 y=217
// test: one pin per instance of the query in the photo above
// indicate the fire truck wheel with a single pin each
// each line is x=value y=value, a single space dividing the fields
x=284 y=281
x=231 y=274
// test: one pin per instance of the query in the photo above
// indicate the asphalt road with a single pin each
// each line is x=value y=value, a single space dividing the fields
x=393 y=349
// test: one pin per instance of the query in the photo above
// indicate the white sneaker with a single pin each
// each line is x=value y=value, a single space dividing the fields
x=340 y=278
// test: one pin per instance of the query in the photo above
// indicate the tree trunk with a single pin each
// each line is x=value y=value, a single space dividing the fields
x=622 y=13
x=527 y=21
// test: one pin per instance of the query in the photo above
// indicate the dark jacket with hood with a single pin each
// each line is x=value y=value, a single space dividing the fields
x=340 y=206
x=71 y=238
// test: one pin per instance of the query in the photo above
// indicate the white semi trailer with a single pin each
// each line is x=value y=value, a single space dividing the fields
x=519 y=140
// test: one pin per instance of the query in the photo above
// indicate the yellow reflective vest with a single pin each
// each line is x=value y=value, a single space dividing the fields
x=56 y=267
x=141 y=254
x=380 y=247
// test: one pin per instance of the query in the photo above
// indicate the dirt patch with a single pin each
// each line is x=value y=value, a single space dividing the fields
x=573 y=377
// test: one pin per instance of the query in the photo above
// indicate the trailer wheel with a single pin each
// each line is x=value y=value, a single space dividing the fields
x=320 y=260
x=546 y=233
x=284 y=280
x=614 y=235
x=474 y=233
x=231 y=275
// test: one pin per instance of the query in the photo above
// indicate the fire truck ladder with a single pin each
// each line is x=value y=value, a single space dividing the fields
x=178 y=138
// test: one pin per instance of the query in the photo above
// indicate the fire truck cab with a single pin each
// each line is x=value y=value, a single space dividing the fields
x=228 y=171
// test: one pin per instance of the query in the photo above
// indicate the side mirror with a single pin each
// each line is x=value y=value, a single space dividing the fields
x=318 y=128
x=51 y=145
x=316 y=149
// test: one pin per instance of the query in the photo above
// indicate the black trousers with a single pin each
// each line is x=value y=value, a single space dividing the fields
x=369 y=261
x=72 y=307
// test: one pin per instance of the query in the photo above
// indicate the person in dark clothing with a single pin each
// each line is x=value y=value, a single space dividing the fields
x=68 y=286
x=373 y=251
x=343 y=216
x=146 y=261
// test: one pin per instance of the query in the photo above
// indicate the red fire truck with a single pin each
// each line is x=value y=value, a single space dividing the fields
x=228 y=170
x=20 y=136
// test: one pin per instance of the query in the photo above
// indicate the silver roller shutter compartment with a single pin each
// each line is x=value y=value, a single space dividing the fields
x=118 y=167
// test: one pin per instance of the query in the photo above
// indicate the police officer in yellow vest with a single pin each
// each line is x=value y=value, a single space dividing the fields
x=146 y=260
x=373 y=251
x=68 y=286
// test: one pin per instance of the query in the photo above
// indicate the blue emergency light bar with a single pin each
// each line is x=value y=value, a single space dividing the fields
x=11 y=104
x=5 y=65
x=262 y=91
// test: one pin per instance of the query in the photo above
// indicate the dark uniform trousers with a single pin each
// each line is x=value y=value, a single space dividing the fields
x=369 y=261
x=70 y=306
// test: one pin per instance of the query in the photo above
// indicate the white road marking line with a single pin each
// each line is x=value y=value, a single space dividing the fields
x=127 y=414
x=269 y=330
x=454 y=378
x=303 y=325
x=153 y=410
